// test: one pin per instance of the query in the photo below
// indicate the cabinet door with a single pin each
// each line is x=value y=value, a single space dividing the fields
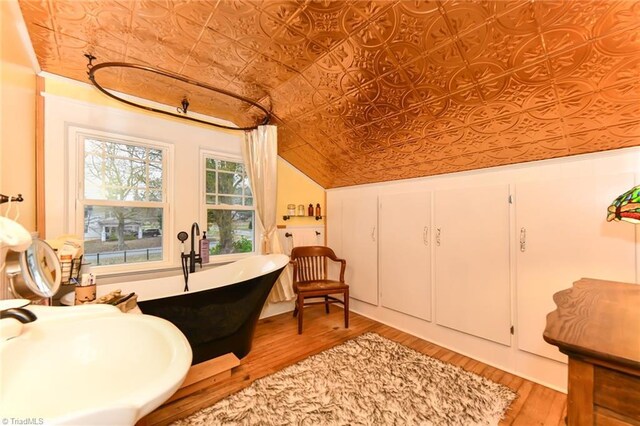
x=472 y=292
x=566 y=237
x=404 y=253
x=360 y=246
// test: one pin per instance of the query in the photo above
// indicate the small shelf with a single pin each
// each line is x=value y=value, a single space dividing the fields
x=287 y=217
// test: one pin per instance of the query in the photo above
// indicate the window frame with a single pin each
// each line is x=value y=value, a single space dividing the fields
x=203 y=206
x=77 y=136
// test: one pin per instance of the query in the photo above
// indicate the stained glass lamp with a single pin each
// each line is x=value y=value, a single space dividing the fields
x=626 y=207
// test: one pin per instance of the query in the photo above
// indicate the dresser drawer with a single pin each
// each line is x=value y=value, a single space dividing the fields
x=618 y=392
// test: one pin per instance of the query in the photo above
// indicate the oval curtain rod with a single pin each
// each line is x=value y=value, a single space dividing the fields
x=185 y=103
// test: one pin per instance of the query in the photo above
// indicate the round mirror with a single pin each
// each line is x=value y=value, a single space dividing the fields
x=39 y=273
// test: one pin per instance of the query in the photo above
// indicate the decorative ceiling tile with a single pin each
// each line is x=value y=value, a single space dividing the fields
x=620 y=43
x=628 y=131
x=517 y=17
x=281 y=10
x=292 y=98
x=368 y=91
x=610 y=17
x=197 y=12
x=582 y=16
x=100 y=23
x=628 y=91
x=548 y=13
x=39 y=13
x=464 y=16
x=245 y=25
x=369 y=9
x=329 y=149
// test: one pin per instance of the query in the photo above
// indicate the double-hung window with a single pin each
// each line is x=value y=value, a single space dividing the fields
x=228 y=206
x=123 y=200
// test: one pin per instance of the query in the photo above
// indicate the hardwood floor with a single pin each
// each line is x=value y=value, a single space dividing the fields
x=277 y=345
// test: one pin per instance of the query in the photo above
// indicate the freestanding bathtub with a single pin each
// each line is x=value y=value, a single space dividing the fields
x=219 y=313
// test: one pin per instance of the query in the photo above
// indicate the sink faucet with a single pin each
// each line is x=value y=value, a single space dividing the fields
x=193 y=257
x=12 y=322
x=21 y=314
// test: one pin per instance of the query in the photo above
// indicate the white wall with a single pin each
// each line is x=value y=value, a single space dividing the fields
x=17 y=114
x=508 y=358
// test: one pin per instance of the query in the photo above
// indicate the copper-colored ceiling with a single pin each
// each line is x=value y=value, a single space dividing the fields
x=369 y=91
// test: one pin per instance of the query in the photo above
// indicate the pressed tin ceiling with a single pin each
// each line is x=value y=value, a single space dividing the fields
x=370 y=91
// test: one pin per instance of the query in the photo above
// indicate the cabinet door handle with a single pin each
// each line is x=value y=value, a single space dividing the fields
x=425 y=235
x=523 y=239
x=373 y=234
x=438 y=230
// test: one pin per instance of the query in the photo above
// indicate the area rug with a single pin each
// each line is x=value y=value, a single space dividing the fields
x=369 y=380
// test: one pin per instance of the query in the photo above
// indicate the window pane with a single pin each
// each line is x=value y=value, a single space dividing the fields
x=93 y=147
x=155 y=195
x=211 y=182
x=211 y=199
x=116 y=235
x=247 y=189
x=211 y=163
x=248 y=201
x=119 y=171
x=155 y=155
x=229 y=183
x=231 y=201
x=155 y=175
x=230 y=231
x=230 y=166
x=137 y=152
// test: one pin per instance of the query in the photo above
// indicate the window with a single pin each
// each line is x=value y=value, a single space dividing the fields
x=122 y=200
x=228 y=206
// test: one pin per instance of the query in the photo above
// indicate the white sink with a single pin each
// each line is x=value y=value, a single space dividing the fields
x=90 y=365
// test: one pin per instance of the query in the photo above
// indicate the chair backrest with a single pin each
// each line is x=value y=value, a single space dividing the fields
x=310 y=263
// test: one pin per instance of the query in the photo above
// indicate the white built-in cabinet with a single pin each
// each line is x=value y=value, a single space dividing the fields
x=359 y=238
x=405 y=253
x=472 y=288
x=467 y=257
x=562 y=236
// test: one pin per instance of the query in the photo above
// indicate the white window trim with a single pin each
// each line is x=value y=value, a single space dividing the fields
x=76 y=195
x=203 y=206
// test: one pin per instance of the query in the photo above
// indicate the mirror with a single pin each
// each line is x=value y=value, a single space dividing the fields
x=36 y=274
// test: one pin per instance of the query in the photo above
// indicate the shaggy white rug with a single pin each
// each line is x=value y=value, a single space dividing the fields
x=369 y=380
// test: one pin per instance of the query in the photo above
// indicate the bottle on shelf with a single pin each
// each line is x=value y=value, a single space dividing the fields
x=318 y=210
x=301 y=210
x=310 y=210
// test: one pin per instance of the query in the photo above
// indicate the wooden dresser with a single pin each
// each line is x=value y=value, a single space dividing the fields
x=597 y=324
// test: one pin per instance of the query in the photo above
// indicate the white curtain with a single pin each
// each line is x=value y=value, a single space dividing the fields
x=260 y=151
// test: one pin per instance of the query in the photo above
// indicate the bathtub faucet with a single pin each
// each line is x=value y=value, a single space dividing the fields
x=193 y=257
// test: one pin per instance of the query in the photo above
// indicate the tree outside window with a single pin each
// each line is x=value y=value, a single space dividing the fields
x=229 y=207
x=123 y=201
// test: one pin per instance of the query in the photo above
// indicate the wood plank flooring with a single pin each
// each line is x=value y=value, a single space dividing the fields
x=277 y=345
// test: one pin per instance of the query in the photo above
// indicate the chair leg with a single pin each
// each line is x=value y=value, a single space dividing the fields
x=295 y=309
x=346 y=308
x=300 y=312
x=326 y=304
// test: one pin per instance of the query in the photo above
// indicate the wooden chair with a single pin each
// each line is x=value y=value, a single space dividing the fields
x=310 y=280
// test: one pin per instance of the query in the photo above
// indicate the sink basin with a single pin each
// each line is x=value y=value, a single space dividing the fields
x=90 y=365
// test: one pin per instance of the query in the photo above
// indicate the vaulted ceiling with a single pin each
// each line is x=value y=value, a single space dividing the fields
x=370 y=91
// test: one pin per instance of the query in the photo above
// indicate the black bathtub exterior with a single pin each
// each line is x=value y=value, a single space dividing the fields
x=216 y=321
